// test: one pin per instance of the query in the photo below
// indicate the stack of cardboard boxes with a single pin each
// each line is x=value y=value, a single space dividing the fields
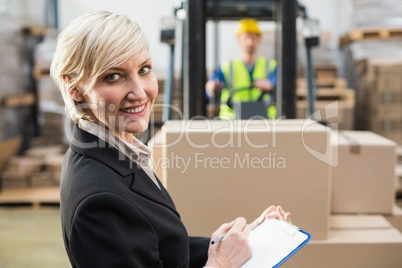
x=379 y=97
x=52 y=127
x=216 y=171
x=39 y=166
x=332 y=97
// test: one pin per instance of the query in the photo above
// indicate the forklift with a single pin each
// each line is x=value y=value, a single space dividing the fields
x=189 y=23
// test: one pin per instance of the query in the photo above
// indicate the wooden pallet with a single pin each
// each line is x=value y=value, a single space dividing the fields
x=34 y=30
x=326 y=76
x=369 y=34
x=18 y=100
x=322 y=82
x=35 y=196
x=342 y=112
x=329 y=94
x=38 y=73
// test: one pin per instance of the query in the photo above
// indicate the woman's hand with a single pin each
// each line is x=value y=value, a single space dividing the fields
x=273 y=212
x=233 y=250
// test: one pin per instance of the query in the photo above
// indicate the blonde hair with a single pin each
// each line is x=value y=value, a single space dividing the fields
x=90 y=45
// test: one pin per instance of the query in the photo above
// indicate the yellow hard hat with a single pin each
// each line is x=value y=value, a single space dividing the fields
x=248 y=26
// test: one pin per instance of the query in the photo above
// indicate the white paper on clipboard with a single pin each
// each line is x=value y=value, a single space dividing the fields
x=273 y=242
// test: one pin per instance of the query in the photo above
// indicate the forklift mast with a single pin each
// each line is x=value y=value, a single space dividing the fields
x=198 y=12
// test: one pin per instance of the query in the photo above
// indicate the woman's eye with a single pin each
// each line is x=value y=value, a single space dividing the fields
x=145 y=69
x=112 y=77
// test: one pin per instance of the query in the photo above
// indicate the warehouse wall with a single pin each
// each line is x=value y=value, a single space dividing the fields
x=147 y=13
x=334 y=15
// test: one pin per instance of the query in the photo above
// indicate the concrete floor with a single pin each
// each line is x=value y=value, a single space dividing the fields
x=31 y=238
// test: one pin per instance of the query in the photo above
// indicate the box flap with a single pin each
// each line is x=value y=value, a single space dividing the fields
x=345 y=222
x=367 y=138
x=365 y=236
x=282 y=125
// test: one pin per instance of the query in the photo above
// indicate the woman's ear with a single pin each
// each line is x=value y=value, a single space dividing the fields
x=75 y=94
x=73 y=91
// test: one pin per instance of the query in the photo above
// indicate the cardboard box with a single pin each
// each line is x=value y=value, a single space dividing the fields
x=353 y=241
x=395 y=136
x=340 y=112
x=9 y=148
x=379 y=96
x=326 y=74
x=386 y=125
x=387 y=77
x=364 y=179
x=387 y=111
x=216 y=171
x=396 y=218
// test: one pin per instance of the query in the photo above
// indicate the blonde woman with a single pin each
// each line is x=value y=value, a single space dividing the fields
x=114 y=211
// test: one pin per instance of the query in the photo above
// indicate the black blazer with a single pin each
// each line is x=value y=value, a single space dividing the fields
x=114 y=216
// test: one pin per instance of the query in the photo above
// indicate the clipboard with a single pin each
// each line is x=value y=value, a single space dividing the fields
x=273 y=242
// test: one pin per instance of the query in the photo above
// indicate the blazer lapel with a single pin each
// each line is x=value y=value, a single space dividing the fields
x=144 y=186
x=89 y=145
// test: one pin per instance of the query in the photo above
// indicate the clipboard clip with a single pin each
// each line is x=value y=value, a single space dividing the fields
x=287 y=227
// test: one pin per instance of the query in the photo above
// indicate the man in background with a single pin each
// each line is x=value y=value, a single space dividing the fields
x=245 y=78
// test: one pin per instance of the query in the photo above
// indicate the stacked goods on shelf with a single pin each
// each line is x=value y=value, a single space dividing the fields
x=15 y=102
x=373 y=13
x=326 y=58
x=326 y=75
x=48 y=94
x=379 y=99
x=366 y=49
x=8 y=148
x=19 y=171
x=50 y=102
x=39 y=166
x=373 y=65
x=52 y=157
x=358 y=34
x=334 y=101
x=52 y=127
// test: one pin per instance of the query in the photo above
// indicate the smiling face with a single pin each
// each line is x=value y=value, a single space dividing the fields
x=122 y=97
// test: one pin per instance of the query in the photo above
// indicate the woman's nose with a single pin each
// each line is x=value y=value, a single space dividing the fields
x=136 y=92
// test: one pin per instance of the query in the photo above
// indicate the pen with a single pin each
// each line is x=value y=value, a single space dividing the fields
x=219 y=238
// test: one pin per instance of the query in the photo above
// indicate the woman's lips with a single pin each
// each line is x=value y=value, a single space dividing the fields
x=139 y=110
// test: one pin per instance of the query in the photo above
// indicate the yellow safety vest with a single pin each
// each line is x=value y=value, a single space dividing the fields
x=237 y=78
